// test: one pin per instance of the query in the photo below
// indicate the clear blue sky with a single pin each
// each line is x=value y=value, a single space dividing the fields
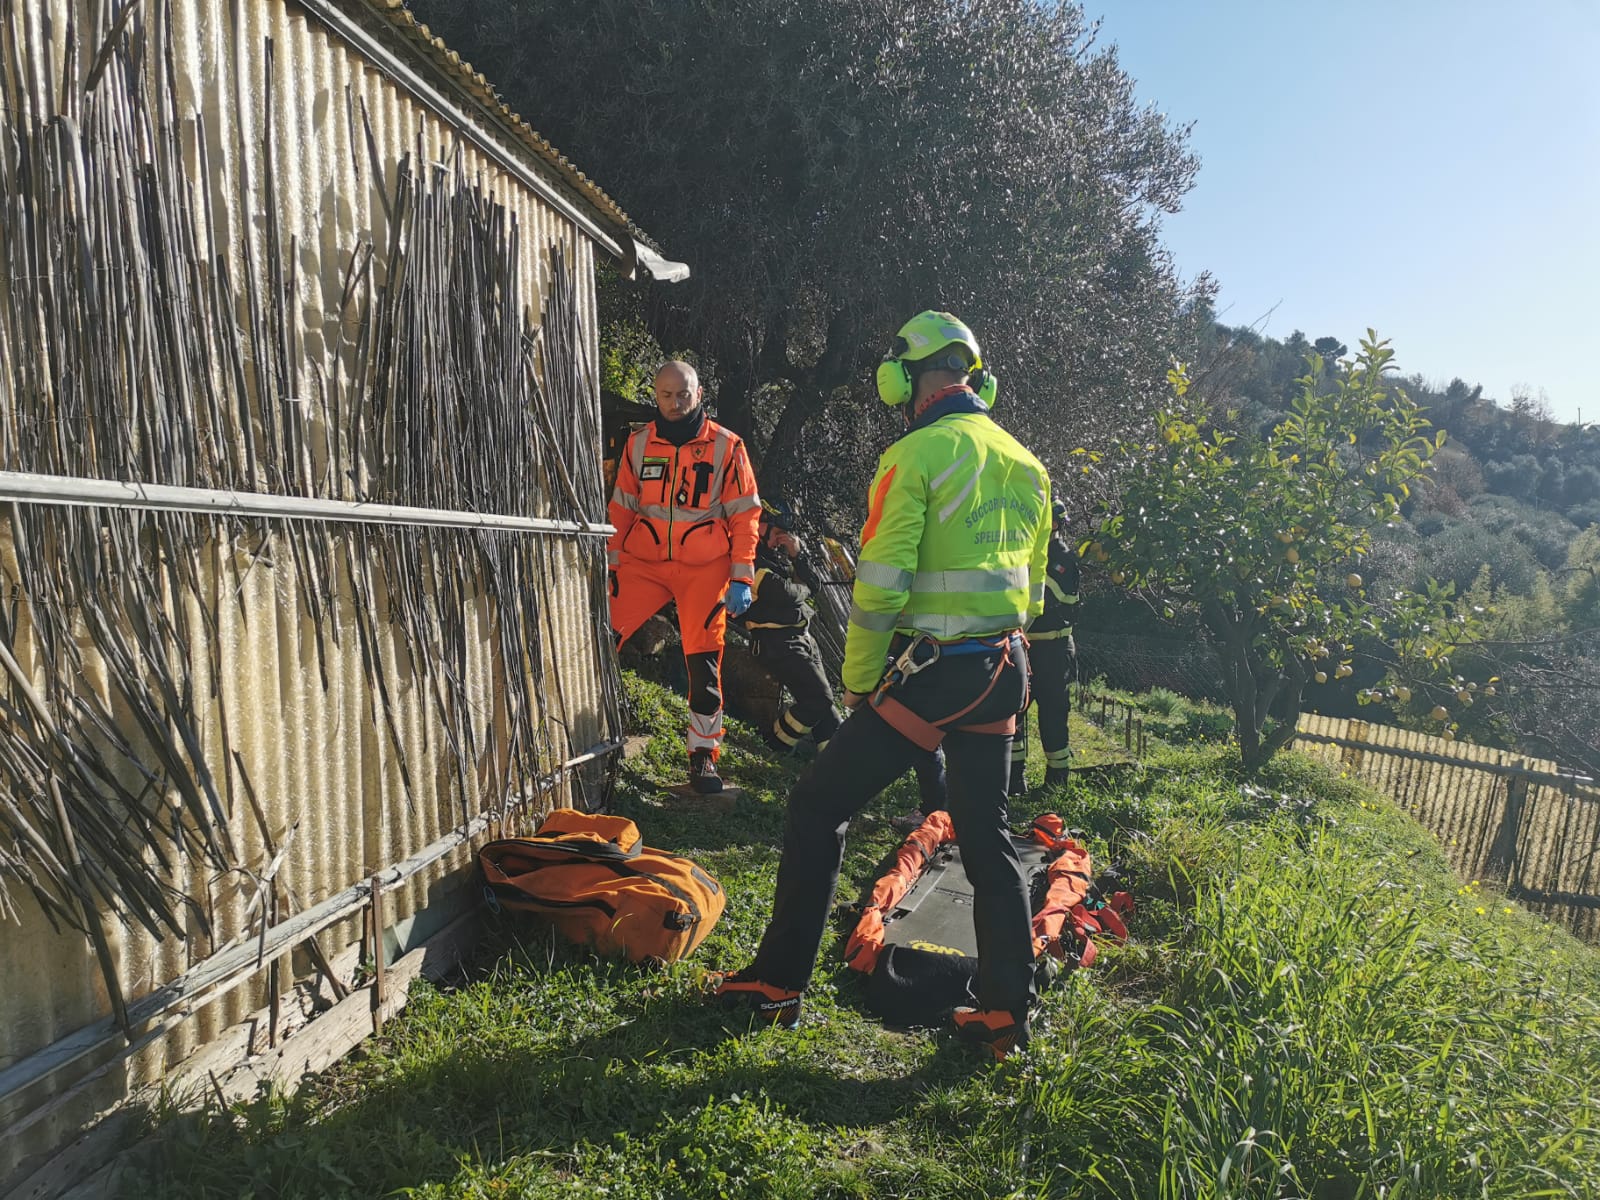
x=1427 y=168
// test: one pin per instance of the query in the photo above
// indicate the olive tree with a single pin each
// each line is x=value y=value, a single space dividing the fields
x=829 y=167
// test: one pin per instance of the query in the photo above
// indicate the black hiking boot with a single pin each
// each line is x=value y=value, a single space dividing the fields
x=703 y=777
x=765 y=1002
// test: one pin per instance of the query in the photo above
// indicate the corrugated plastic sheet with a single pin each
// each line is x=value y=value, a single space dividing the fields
x=323 y=768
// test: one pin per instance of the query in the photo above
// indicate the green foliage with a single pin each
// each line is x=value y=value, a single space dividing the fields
x=1175 y=719
x=1510 y=495
x=1261 y=538
x=1318 y=1048
x=1543 y=645
x=1583 y=579
x=629 y=354
x=829 y=167
x=1164 y=701
x=1546 y=534
x=1457 y=550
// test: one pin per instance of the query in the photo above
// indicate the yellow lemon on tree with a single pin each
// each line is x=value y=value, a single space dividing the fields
x=1440 y=712
x=1352 y=580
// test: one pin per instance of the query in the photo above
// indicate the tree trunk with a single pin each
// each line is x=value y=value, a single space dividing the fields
x=1238 y=685
x=734 y=396
x=813 y=389
x=1291 y=690
x=778 y=461
x=1253 y=685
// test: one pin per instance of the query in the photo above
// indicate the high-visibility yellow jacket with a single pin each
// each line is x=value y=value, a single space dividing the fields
x=956 y=539
x=694 y=504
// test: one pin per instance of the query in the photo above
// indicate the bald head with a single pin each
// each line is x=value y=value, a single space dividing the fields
x=678 y=390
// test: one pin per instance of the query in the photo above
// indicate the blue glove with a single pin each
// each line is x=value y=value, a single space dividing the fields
x=738 y=598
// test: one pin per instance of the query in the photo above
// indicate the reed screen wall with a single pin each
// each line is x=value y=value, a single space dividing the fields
x=237 y=255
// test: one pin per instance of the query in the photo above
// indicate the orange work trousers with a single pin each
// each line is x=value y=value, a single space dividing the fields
x=643 y=589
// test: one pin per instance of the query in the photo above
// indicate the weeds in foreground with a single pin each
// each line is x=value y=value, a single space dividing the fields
x=1312 y=1007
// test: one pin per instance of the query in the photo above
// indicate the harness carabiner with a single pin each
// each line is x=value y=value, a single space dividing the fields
x=907 y=665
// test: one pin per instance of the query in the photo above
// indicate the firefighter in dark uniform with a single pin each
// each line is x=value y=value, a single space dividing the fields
x=776 y=623
x=1054 y=659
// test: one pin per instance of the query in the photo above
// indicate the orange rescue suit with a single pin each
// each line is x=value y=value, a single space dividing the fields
x=693 y=504
x=686 y=519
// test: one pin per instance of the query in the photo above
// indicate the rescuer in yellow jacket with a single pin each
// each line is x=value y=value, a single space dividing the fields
x=952 y=568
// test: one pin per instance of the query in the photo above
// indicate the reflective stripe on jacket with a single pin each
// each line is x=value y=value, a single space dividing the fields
x=1060 y=592
x=955 y=543
x=694 y=503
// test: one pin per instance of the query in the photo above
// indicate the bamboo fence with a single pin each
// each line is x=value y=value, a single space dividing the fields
x=1519 y=822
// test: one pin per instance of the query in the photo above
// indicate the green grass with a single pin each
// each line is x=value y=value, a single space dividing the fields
x=1312 y=1006
x=1176 y=719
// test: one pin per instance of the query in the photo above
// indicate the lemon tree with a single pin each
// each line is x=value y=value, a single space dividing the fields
x=1260 y=538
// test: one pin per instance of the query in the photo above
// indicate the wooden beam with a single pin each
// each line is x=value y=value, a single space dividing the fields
x=379 y=992
x=336 y=1032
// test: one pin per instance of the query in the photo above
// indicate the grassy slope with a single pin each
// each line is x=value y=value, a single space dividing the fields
x=1313 y=1006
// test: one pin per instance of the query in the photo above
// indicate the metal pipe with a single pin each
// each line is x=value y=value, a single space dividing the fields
x=26 y=488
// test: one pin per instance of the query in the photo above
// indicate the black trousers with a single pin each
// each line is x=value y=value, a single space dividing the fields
x=1054 y=662
x=932 y=781
x=864 y=757
x=791 y=657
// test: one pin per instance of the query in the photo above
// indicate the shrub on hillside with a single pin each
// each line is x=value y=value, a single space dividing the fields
x=1461 y=549
x=1261 y=539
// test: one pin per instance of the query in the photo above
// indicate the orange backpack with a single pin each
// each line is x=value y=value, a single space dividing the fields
x=592 y=878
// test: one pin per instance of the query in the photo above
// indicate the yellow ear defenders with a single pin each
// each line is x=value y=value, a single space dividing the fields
x=896 y=385
x=984 y=383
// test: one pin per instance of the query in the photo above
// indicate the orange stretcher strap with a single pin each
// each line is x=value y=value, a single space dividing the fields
x=866 y=942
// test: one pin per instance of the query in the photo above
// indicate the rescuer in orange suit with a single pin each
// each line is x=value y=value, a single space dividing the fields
x=686 y=510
